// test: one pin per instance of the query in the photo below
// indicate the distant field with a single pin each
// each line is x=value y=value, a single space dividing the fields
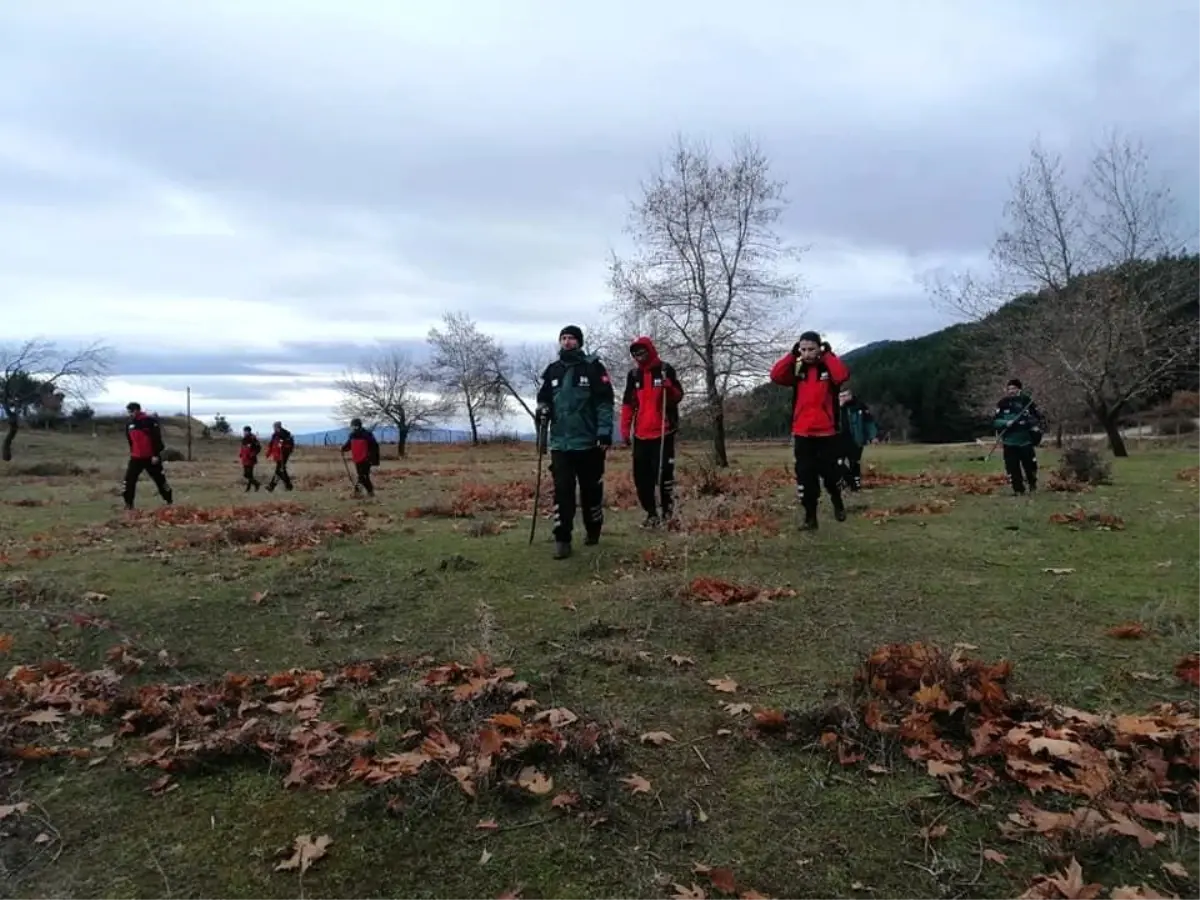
x=190 y=690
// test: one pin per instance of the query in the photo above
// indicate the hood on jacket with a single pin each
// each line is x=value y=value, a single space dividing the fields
x=652 y=358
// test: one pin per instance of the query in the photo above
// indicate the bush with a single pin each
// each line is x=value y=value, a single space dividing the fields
x=47 y=470
x=173 y=455
x=1172 y=424
x=1084 y=463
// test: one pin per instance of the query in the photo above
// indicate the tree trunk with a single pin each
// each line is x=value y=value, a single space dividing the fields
x=1116 y=441
x=11 y=435
x=1058 y=436
x=401 y=442
x=716 y=412
x=474 y=428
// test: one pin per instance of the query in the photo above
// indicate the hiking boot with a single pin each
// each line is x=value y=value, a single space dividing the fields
x=248 y=487
x=270 y=486
x=562 y=549
x=651 y=521
x=810 y=522
x=839 y=508
x=592 y=539
x=257 y=485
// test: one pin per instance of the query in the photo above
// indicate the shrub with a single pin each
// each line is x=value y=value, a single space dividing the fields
x=1084 y=463
x=173 y=455
x=48 y=470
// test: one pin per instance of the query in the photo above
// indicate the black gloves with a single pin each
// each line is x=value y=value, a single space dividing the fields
x=604 y=440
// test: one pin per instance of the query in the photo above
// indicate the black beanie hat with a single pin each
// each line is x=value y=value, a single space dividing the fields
x=575 y=331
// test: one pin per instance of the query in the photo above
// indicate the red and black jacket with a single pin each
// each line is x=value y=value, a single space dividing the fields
x=363 y=447
x=815 y=389
x=281 y=445
x=248 y=452
x=645 y=387
x=145 y=437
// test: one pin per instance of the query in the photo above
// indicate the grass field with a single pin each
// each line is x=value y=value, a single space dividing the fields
x=647 y=742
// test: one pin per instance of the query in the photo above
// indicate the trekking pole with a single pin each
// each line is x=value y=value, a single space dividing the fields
x=353 y=479
x=540 y=433
x=1004 y=431
x=662 y=441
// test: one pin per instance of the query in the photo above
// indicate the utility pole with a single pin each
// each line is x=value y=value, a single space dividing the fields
x=189 y=424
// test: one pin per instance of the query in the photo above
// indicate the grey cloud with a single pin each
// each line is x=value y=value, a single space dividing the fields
x=479 y=180
x=291 y=358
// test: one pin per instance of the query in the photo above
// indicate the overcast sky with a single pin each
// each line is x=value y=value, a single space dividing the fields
x=225 y=190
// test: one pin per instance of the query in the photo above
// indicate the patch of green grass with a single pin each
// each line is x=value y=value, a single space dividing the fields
x=592 y=634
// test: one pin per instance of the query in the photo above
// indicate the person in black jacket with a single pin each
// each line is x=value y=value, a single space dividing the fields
x=279 y=450
x=364 y=453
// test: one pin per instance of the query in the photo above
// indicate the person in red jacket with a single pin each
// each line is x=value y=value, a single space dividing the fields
x=649 y=421
x=364 y=453
x=279 y=450
x=815 y=374
x=248 y=455
x=145 y=454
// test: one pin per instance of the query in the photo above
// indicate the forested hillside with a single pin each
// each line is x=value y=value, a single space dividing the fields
x=926 y=389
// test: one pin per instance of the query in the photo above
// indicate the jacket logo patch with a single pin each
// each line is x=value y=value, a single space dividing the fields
x=824 y=376
x=583 y=381
x=658 y=382
x=553 y=382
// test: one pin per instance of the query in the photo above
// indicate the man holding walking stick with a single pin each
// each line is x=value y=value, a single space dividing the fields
x=1018 y=423
x=649 y=421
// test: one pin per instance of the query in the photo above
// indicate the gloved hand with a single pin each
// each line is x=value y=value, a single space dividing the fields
x=604 y=440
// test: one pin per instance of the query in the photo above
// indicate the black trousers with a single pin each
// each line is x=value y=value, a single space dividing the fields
x=648 y=480
x=363 y=471
x=280 y=474
x=1021 y=465
x=816 y=462
x=852 y=453
x=585 y=468
x=248 y=474
x=134 y=470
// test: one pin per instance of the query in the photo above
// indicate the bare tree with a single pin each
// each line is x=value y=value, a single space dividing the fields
x=37 y=376
x=464 y=369
x=706 y=279
x=387 y=389
x=518 y=374
x=1101 y=303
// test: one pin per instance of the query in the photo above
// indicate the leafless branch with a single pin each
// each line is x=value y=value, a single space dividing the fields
x=465 y=367
x=386 y=390
x=706 y=281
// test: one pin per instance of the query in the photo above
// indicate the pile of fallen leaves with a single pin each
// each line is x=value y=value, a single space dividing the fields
x=266 y=529
x=963 y=482
x=475 y=725
x=717 y=592
x=956 y=715
x=1079 y=517
x=1190 y=474
x=933 y=507
x=1061 y=485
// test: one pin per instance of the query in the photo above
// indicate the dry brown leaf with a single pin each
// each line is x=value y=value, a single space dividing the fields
x=6 y=811
x=1127 y=630
x=6 y=642
x=258 y=597
x=534 y=781
x=995 y=856
x=933 y=832
x=678 y=660
x=1176 y=870
x=722 y=879
x=725 y=685
x=487 y=825
x=94 y=597
x=305 y=851
x=43 y=717
x=1141 y=892
x=937 y=767
x=636 y=784
x=736 y=709
x=1056 y=571
x=753 y=895
x=657 y=738
x=558 y=717
x=565 y=800
x=485 y=856
x=692 y=893
x=104 y=742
